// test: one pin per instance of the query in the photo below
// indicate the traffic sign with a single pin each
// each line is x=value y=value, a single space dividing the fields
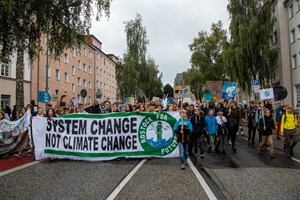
x=44 y=97
x=83 y=93
x=255 y=82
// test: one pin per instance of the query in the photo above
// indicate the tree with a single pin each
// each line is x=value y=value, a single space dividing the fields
x=168 y=89
x=23 y=22
x=207 y=58
x=135 y=56
x=249 y=54
x=136 y=72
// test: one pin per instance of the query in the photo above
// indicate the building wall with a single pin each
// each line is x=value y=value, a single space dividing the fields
x=281 y=41
x=293 y=18
x=80 y=65
x=8 y=82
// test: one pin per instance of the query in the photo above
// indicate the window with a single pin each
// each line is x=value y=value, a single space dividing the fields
x=97 y=84
x=73 y=70
x=299 y=59
x=84 y=67
x=73 y=88
x=294 y=61
x=90 y=70
x=90 y=85
x=57 y=74
x=73 y=52
x=66 y=59
x=5 y=100
x=275 y=38
x=97 y=56
x=97 y=70
x=90 y=55
x=79 y=64
x=291 y=11
x=298 y=96
x=66 y=77
x=292 y=35
x=4 y=69
x=79 y=81
x=84 y=83
x=84 y=51
x=298 y=28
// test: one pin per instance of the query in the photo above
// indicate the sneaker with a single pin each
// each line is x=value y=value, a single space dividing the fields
x=272 y=156
x=258 y=152
x=237 y=133
x=17 y=156
x=202 y=155
x=242 y=133
x=229 y=142
x=183 y=167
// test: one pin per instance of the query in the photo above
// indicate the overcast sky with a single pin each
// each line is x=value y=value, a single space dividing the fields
x=171 y=26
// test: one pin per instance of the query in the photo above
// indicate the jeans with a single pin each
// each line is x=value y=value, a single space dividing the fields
x=291 y=138
x=232 y=130
x=183 y=152
x=251 y=133
x=212 y=141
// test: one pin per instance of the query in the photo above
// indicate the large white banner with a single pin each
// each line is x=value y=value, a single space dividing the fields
x=106 y=137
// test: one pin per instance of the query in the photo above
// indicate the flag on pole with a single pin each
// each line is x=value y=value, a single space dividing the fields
x=266 y=93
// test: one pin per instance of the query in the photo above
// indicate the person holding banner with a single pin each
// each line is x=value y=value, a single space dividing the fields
x=233 y=118
x=289 y=124
x=266 y=124
x=183 y=128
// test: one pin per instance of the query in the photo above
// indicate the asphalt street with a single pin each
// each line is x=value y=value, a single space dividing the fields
x=240 y=175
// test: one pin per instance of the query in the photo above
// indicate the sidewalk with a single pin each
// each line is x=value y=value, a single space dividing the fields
x=11 y=161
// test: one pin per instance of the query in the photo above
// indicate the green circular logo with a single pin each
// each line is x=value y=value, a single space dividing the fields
x=156 y=134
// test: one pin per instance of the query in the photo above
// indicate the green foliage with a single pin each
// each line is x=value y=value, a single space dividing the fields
x=168 y=89
x=137 y=72
x=23 y=22
x=249 y=54
x=207 y=59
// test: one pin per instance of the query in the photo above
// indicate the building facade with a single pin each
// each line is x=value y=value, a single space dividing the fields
x=81 y=74
x=286 y=37
x=8 y=82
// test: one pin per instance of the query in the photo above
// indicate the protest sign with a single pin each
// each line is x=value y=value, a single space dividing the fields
x=106 y=137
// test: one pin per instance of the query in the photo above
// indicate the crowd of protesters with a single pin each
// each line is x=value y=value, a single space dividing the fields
x=203 y=126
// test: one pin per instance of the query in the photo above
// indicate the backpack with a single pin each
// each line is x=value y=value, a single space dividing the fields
x=285 y=117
